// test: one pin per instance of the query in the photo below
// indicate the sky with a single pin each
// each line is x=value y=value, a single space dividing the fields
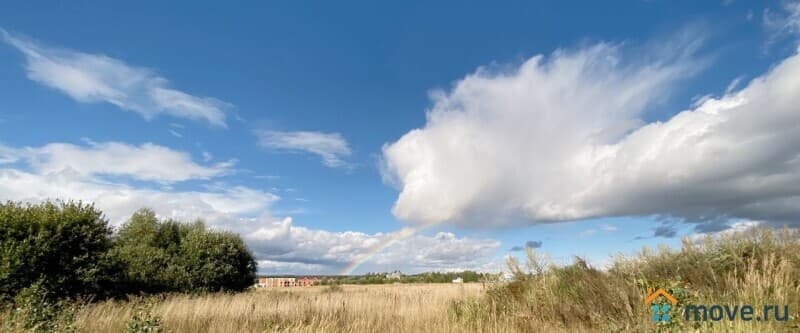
x=368 y=137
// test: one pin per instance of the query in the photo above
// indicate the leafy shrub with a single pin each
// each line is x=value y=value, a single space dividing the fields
x=143 y=320
x=170 y=256
x=34 y=309
x=61 y=246
x=68 y=250
x=216 y=261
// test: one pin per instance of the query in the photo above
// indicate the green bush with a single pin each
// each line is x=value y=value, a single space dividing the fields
x=143 y=320
x=68 y=250
x=61 y=246
x=34 y=309
x=216 y=261
x=170 y=256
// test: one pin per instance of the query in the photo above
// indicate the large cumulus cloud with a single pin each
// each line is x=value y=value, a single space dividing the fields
x=562 y=138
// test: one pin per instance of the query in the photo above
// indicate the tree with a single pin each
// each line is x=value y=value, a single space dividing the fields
x=61 y=247
x=171 y=256
x=143 y=253
x=217 y=261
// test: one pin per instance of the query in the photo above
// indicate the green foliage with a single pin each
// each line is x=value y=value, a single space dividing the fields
x=216 y=261
x=34 y=309
x=54 y=253
x=170 y=256
x=68 y=250
x=143 y=320
x=61 y=246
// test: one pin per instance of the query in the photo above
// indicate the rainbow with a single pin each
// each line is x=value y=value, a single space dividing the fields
x=394 y=238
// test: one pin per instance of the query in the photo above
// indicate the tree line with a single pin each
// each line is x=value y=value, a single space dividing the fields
x=69 y=250
x=428 y=277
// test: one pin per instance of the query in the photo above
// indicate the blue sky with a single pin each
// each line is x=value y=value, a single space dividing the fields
x=321 y=131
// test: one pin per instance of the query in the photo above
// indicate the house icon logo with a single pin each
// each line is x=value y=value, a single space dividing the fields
x=660 y=310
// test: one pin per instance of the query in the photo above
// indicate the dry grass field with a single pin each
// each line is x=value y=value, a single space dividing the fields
x=350 y=308
x=759 y=267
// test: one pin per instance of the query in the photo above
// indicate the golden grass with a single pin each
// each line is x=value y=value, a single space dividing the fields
x=370 y=308
x=758 y=267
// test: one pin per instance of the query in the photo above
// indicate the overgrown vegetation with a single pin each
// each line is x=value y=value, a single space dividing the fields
x=757 y=267
x=61 y=248
x=167 y=255
x=57 y=261
x=54 y=256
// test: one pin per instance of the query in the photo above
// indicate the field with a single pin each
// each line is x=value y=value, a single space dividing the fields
x=349 y=308
x=758 y=268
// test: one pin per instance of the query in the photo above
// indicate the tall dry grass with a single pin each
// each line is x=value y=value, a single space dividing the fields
x=757 y=267
x=372 y=308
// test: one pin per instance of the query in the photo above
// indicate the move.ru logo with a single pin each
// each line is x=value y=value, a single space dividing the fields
x=660 y=310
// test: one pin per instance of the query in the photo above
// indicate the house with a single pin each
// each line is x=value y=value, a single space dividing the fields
x=307 y=282
x=458 y=280
x=396 y=275
x=273 y=282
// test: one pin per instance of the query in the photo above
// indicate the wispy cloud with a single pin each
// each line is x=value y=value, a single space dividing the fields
x=92 y=78
x=146 y=162
x=331 y=147
x=609 y=227
x=783 y=22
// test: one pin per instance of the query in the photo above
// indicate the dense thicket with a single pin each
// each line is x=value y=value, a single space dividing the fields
x=61 y=247
x=69 y=250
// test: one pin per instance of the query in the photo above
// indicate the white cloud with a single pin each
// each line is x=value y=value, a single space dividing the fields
x=69 y=172
x=562 y=139
x=609 y=227
x=782 y=23
x=60 y=171
x=220 y=206
x=331 y=147
x=147 y=162
x=91 y=78
x=282 y=244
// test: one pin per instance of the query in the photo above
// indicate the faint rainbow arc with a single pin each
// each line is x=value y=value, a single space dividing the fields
x=402 y=234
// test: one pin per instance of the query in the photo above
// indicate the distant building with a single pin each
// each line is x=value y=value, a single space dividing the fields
x=274 y=282
x=396 y=275
x=458 y=280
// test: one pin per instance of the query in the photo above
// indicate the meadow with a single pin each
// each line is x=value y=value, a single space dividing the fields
x=757 y=267
x=347 y=308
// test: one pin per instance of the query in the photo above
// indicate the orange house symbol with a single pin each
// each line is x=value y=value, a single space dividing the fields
x=652 y=295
